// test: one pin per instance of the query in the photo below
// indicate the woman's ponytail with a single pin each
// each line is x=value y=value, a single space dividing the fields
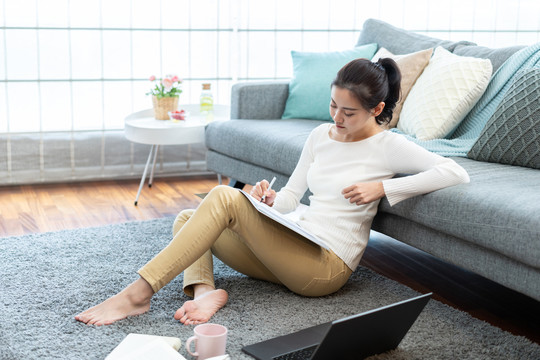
x=394 y=89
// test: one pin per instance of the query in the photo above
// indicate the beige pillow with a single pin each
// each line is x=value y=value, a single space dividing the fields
x=443 y=95
x=411 y=67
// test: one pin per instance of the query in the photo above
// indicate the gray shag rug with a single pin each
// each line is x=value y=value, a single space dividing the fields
x=48 y=278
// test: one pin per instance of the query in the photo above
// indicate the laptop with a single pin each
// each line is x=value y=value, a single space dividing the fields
x=354 y=337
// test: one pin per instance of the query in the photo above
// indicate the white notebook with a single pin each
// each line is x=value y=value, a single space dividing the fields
x=285 y=220
x=142 y=347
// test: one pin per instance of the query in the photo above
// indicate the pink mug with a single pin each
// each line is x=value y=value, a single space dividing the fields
x=210 y=340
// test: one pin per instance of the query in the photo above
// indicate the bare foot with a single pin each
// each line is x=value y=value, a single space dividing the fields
x=201 y=309
x=133 y=300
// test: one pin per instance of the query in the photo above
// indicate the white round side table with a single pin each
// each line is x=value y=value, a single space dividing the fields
x=141 y=127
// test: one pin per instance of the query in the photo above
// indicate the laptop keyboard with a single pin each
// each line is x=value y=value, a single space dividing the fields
x=302 y=354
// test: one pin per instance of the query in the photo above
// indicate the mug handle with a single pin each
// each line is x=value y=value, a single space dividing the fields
x=188 y=347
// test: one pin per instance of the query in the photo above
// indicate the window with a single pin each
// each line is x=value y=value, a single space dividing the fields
x=75 y=66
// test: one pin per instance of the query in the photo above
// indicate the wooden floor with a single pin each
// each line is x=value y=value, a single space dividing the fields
x=41 y=208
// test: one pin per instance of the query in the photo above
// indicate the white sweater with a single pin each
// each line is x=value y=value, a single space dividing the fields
x=327 y=166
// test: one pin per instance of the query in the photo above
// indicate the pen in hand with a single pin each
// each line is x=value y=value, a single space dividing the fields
x=269 y=187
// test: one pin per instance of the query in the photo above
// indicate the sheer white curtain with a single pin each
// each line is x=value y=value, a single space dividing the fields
x=72 y=70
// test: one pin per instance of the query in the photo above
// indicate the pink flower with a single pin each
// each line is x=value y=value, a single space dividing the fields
x=152 y=78
x=175 y=78
x=167 y=83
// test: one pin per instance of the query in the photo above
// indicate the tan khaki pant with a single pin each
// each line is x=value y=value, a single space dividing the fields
x=227 y=225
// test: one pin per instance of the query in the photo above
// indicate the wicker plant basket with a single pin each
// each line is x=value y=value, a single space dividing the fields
x=163 y=106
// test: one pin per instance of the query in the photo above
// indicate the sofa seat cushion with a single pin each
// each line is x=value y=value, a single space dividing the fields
x=497 y=210
x=273 y=144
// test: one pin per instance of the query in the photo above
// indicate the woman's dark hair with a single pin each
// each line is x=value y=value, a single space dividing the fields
x=371 y=83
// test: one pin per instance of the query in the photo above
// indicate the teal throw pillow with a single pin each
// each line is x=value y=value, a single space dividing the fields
x=313 y=73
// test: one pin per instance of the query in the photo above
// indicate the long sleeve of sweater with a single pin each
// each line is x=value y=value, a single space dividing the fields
x=427 y=171
x=288 y=198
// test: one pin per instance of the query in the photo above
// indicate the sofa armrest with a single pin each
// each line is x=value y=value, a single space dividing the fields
x=259 y=100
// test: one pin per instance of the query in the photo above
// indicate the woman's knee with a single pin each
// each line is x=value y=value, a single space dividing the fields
x=227 y=196
x=181 y=219
x=222 y=190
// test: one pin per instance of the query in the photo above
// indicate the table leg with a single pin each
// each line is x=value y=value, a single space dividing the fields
x=219 y=179
x=144 y=174
x=153 y=167
x=188 y=163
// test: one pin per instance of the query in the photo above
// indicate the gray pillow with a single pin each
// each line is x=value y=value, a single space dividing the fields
x=512 y=135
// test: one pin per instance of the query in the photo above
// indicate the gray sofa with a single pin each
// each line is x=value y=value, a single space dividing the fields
x=490 y=226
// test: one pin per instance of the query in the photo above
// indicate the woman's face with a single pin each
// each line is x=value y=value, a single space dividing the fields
x=353 y=122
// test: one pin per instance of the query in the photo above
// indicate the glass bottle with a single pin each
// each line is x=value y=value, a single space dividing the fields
x=207 y=99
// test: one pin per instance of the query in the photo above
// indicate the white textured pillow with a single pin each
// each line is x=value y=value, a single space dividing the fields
x=443 y=95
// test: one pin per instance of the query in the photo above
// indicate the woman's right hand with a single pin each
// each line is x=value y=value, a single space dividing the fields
x=260 y=189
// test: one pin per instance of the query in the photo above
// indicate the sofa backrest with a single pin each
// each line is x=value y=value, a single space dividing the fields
x=399 y=41
x=496 y=56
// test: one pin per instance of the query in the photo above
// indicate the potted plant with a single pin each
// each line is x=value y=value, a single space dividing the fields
x=165 y=94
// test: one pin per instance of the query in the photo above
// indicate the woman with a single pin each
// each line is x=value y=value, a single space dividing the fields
x=348 y=165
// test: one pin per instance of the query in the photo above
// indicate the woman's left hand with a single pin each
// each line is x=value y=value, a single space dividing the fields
x=364 y=193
